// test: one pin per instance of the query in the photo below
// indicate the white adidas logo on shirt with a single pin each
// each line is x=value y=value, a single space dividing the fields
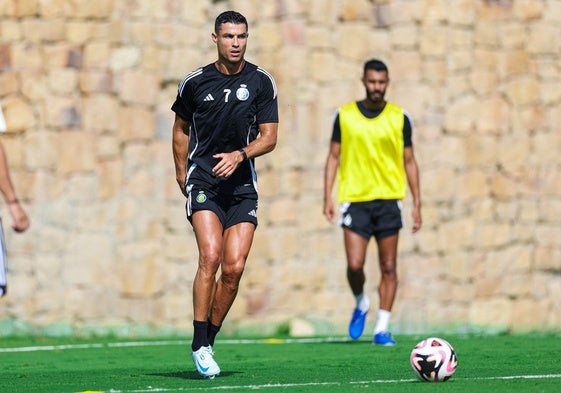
x=209 y=97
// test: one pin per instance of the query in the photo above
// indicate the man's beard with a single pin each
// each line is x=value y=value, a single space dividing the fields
x=376 y=96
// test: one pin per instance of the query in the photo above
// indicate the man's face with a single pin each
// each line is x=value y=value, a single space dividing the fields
x=375 y=83
x=231 y=41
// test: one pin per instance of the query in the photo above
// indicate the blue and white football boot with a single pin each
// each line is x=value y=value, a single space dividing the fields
x=204 y=361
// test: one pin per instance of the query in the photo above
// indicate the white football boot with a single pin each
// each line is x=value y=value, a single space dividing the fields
x=204 y=361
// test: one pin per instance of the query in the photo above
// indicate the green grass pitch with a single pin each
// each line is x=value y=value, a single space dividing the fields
x=506 y=363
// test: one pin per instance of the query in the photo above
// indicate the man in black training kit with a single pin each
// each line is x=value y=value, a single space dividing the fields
x=220 y=110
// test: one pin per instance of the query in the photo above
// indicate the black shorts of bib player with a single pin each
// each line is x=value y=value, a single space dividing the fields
x=220 y=110
x=379 y=218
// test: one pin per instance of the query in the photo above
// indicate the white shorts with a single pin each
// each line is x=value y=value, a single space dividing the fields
x=3 y=262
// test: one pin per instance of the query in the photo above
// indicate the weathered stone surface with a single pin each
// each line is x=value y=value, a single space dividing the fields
x=86 y=93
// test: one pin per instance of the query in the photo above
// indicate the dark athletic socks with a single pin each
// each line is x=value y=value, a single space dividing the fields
x=200 y=338
x=212 y=332
x=204 y=334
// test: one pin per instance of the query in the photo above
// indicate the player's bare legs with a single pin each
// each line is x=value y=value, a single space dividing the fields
x=208 y=232
x=212 y=299
x=387 y=258
x=355 y=248
x=237 y=243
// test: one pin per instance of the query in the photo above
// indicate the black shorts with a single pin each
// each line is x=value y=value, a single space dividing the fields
x=380 y=218
x=230 y=209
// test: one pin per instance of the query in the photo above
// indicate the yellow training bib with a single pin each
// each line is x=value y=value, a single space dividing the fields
x=371 y=163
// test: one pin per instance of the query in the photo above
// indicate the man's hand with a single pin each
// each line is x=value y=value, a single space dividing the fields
x=329 y=210
x=20 y=219
x=417 y=220
x=227 y=164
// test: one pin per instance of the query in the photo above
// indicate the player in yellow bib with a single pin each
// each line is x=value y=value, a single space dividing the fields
x=371 y=151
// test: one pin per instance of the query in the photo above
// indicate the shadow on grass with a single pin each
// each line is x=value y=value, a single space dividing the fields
x=191 y=374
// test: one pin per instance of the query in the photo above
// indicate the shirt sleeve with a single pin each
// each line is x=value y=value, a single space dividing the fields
x=267 y=106
x=184 y=105
x=407 y=130
x=336 y=133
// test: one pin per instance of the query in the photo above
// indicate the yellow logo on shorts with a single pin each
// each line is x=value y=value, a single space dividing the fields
x=201 y=198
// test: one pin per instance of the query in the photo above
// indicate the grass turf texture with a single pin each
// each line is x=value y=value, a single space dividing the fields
x=511 y=363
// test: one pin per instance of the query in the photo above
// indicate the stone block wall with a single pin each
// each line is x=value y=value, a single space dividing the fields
x=86 y=88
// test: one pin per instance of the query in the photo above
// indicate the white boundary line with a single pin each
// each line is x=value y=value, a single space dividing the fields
x=295 y=385
x=237 y=342
x=171 y=342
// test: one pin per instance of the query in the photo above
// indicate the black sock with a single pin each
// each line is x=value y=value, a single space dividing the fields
x=200 y=338
x=212 y=332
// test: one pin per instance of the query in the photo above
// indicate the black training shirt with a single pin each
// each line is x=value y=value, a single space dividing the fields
x=224 y=112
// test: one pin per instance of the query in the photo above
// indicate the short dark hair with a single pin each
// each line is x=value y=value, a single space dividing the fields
x=376 y=65
x=229 y=17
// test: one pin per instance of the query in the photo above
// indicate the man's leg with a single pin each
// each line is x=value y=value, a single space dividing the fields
x=387 y=256
x=355 y=249
x=208 y=232
x=236 y=245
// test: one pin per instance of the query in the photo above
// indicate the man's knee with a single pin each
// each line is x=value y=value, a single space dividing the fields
x=232 y=271
x=355 y=269
x=388 y=268
x=209 y=261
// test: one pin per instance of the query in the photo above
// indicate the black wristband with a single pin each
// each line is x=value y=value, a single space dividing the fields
x=244 y=154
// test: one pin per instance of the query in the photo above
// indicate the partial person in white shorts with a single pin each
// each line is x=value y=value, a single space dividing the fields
x=20 y=221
